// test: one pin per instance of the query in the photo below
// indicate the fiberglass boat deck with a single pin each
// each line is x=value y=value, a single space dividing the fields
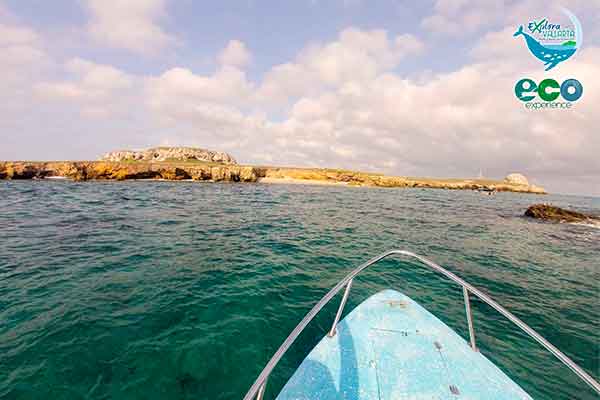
x=389 y=347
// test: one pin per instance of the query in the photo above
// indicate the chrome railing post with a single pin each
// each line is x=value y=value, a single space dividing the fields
x=340 y=310
x=469 y=318
x=261 y=390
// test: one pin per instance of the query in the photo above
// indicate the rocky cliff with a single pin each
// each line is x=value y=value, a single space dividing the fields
x=101 y=170
x=170 y=154
x=201 y=171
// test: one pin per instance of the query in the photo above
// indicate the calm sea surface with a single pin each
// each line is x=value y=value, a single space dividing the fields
x=157 y=290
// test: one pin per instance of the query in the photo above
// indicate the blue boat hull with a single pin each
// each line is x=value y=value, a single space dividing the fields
x=389 y=347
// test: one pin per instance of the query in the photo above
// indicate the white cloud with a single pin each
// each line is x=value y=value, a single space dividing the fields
x=500 y=44
x=235 y=54
x=180 y=86
x=21 y=55
x=16 y=35
x=89 y=81
x=356 y=56
x=97 y=76
x=19 y=46
x=129 y=24
x=97 y=90
x=456 y=17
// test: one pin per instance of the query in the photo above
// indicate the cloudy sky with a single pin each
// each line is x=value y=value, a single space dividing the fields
x=417 y=88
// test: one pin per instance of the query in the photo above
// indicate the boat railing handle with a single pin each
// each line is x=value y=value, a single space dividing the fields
x=469 y=318
x=468 y=312
x=340 y=310
x=257 y=389
x=261 y=390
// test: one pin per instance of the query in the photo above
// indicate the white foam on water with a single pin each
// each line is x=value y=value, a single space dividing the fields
x=591 y=224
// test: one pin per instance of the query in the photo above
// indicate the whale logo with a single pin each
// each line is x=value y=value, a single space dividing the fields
x=552 y=55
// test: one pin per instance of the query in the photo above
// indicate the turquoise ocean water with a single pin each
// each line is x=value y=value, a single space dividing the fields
x=182 y=290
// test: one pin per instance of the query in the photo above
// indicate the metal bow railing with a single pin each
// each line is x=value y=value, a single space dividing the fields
x=257 y=390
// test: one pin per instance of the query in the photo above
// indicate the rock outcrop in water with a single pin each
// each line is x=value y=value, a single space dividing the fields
x=205 y=171
x=552 y=213
x=170 y=154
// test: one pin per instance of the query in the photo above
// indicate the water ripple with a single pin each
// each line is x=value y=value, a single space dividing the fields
x=143 y=290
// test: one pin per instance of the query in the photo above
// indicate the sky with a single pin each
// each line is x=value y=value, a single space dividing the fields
x=411 y=88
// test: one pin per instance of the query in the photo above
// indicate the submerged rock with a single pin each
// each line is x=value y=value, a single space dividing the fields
x=552 y=213
x=170 y=154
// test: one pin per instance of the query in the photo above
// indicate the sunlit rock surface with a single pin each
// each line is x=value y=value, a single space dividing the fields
x=216 y=172
x=170 y=154
x=516 y=179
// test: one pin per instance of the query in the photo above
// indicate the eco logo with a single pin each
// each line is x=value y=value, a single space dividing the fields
x=550 y=42
x=548 y=90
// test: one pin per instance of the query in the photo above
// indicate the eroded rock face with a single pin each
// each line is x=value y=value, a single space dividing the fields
x=170 y=154
x=516 y=179
x=552 y=213
x=202 y=171
x=102 y=170
x=248 y=174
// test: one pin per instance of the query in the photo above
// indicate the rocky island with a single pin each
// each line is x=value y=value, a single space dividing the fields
x=188 y=163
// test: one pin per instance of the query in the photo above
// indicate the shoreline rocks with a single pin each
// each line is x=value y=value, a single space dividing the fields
x=549 y=212
x=159 y=154
x=100 y=170
x=205 y=171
